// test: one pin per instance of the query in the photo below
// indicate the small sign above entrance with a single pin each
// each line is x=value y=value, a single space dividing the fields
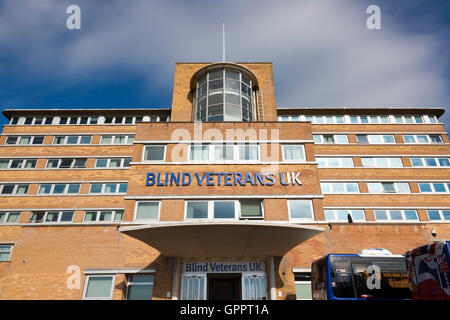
x=223 y=267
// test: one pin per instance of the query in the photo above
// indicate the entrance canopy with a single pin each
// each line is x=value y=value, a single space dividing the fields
x=222 y=239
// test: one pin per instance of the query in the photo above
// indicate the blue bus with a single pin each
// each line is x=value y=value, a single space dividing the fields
x=363 y=276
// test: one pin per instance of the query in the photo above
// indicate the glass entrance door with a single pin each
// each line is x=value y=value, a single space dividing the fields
x=254 y=287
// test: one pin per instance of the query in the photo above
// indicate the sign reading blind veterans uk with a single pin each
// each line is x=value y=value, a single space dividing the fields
x=223 y=267
x=222 y=179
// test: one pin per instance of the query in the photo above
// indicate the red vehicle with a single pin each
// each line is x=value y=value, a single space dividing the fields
x=428 y=271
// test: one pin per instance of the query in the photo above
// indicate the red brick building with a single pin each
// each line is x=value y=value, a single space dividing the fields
x=223 y=195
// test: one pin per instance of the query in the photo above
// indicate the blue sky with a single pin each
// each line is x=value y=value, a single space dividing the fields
x=323 y=54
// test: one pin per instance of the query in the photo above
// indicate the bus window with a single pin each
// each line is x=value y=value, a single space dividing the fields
x=341 y=277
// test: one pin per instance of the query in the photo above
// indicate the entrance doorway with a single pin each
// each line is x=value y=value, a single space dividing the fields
x=224 y=286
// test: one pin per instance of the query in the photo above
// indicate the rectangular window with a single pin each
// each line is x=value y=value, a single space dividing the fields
x=382 y=162
x=24 y=140
x=342 y=215
x=303 y=286
x=147 y=210
x=434 y=187
x=99 y=287
x=224 y=209
x=339 y=187
x=9 y=217
x=103 y=216
x=395 y=215
x=300 y=210
x=251 y=209
x=199 y=153
x=436 y=215
x=140 y=287
x=248 y=152
x=197 y=210
x=5 y=252
x=154 y=153
x=293 y=152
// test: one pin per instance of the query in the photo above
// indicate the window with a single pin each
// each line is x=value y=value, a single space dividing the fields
x=113 y=163
x=395 y=215
x=66 y=163
x=430 y=162
x=300 y=209
x=51 y=217
x=9 y=217
x=224 y=209
x=339 y=187
x=330 y=138
x=436 y=215
x=224 y=152
x=382 y=162
x=98 y=287
x=18 y=163
x=103 y=216
x=147 y=210
x=108 y=188
x=408 y=119
x=419 y=139
x=293 y=152
x=72 y=140
x=342 y=215
x=303 y=285
x=335 y=162
x=155 y=153
x=59 y=189
x=140 y=287
x=197 y=210
x=119 y=139
x=5 y=252
x=24 y=140
x=388 y=187
x=251 y=209
x=14 y=120
x=375 y=139
x=434 y=187
x=14 y=189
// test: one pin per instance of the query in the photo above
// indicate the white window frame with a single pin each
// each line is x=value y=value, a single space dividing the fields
x=389 y=217
x=340 y=160
x=79 y=137
x=388 y=161
x=339 y=182
x=445 y=183
x=261 y=203
x=210 y=147
x=104 y=187
x=22 y=167
x=154 y=145
x=302 y=147
x=7 y=214
x=334 y=138
x=113 y=139
x=98 y=213
x=60 y=160
x=109 y=160
x=16 y=187
x=311 y=219
x=146 y=220
x=86 y=282
x=395 y=187
x=131 y=283
x=426 y=135
x=11 y=247
x=32 y=137
x=52 y=188
x=44 y=218
x=349 y=211
x=424 y=163
x=441 y=215
x=237 y=210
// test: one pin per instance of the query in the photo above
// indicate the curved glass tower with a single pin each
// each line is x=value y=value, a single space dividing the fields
x=223 y=92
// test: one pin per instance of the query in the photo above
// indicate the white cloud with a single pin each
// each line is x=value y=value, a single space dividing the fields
x=323 y=53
